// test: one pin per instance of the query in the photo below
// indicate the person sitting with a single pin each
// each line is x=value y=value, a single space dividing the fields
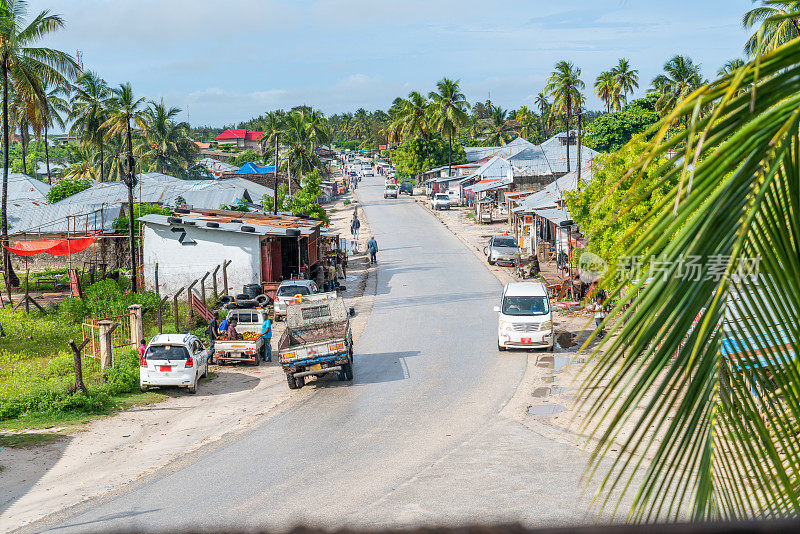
x=233 y=335
x=223 y=327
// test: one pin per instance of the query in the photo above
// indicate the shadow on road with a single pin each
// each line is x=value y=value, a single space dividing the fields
x=108 y=517
x=15 y=482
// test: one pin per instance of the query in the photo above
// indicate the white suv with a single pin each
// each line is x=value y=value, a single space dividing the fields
x=173 y=360
x=526 y=318
x=440 y=201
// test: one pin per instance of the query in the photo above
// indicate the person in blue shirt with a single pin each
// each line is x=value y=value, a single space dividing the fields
x=266 y=333
x=223 y=327
x=372 y=246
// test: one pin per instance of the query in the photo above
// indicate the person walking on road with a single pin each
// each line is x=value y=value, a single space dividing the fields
x=372 y=246
x=355 y=224
x=266 y=333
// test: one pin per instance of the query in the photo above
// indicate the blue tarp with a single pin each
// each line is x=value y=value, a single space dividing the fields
x=252 y=168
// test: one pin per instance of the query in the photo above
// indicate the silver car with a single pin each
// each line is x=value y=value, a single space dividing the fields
x=502 y=249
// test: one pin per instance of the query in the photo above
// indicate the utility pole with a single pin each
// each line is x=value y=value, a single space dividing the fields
x=580 y=119
x=275 y=181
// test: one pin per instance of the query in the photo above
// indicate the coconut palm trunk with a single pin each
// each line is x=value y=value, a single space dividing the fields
x=47 y=154
x=450 y=155
x=131 y=233
x=569 y=116
x=102 y=170
x=11 y=277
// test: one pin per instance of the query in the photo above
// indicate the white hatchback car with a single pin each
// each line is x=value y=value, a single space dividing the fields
x=526 y=318
x=173 y=360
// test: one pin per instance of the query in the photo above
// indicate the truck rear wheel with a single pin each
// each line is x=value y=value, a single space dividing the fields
x=347 y=370
x=292 y=383
x=257 y=360
x=300 y=381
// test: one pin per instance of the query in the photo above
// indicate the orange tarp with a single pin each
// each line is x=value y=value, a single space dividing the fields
x=54 y=247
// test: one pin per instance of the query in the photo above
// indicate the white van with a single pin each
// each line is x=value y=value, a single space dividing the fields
x=526 y=317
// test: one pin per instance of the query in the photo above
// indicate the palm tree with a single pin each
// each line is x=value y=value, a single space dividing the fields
x=164 y=145
x=298 y=142
x=82 y=162
x=626 y=79
x=681 y=76
x=114 y=158
x=53 y=109
x=730 y=66
x=413 y=118
x=89 y=109
x=544 y=111
x=527 y=123
x=124 y=107
x=777 y=21
x=564 y=86
x=496 y=129
x=606 y=88
x=707 y=362
x=24 y=67
x=449 y=107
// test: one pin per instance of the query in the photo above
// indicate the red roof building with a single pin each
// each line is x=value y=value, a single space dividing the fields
x=241 y=138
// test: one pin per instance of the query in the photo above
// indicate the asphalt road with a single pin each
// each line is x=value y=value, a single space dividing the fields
x=415 y=438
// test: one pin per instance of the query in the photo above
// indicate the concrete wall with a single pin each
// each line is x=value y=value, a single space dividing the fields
x=179 y=264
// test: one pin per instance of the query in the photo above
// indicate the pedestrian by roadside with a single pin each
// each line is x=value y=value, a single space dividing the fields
x=213 y=333
x=599 y=314
x=266 y=333
x=142 y=348
x=372 y=246
x=355 y=224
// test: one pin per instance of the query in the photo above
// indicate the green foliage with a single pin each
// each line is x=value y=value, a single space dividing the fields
x=595 y=207
x=66 y=188
x=140 y=210
x=612 y=131
x=247 y=156
x=306 y=201
x=267 y=202
x=410 y=157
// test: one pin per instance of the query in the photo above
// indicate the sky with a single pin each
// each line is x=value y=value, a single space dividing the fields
x=226 y=61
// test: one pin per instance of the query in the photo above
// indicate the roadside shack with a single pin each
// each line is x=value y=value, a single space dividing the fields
x=263 y=248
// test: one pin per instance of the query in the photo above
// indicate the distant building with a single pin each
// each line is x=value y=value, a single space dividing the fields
x=65 y=140
x=241 y=139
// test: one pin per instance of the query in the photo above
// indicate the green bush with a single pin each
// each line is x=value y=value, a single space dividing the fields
x=66 y=188
x=73 y=310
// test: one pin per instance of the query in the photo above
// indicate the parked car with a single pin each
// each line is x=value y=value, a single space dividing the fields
x=173 y=360
x=407 y=187
x=390 y=191
x=526 y=317
x=502 y=249
x=440 y=201
x=453 y=197
x=286 y=292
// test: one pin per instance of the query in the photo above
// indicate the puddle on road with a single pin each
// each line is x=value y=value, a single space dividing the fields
x=566 y=340
x=546 y=391
x=546 y=410
x=555 y=363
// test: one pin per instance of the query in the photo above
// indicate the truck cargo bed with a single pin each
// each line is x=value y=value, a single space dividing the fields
x=312 y=335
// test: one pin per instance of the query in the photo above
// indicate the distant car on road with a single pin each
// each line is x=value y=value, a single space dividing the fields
x=286 y=292
x=502 y=249
x=390 y=191
x=173 y=360
x=407 y=187
x=526 y=317
x=440 y=201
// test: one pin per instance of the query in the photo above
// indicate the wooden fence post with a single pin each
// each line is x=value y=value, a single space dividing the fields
x=160 y=319
x=225 y=276
x=203 y=286
x=214 y=279
x=78 y=366
x=175 y=300
x=189 y=302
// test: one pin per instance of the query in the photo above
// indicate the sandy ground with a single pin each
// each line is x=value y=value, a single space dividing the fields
x=113 y=451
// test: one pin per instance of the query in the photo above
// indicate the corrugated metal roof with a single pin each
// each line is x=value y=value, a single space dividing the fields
x=155 y=188
x=554 y=215
x=490 y=185
x=200 y=222
x=552 y=193
x=23 y=187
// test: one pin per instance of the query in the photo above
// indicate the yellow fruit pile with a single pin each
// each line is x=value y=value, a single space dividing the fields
x=250 y=336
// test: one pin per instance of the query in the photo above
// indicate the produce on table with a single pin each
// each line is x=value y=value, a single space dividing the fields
x=250 y=336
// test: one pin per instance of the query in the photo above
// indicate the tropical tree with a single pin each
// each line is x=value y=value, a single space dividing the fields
x=543 y=106
x=53 y=110
x=778 y=22
x=25 y=66
x=606 y=88
x=681 y=76
x=449 y=111
x=413 y=120
x=298 y=142
x=564 y=86
x=696 y=391
x=90 y=100
x=496 y=129
x=271 y=127
x=528 y=125
x=730 y=66
x=125 y=108
x=626 y=79
x=82 y=160
x=164 y=145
